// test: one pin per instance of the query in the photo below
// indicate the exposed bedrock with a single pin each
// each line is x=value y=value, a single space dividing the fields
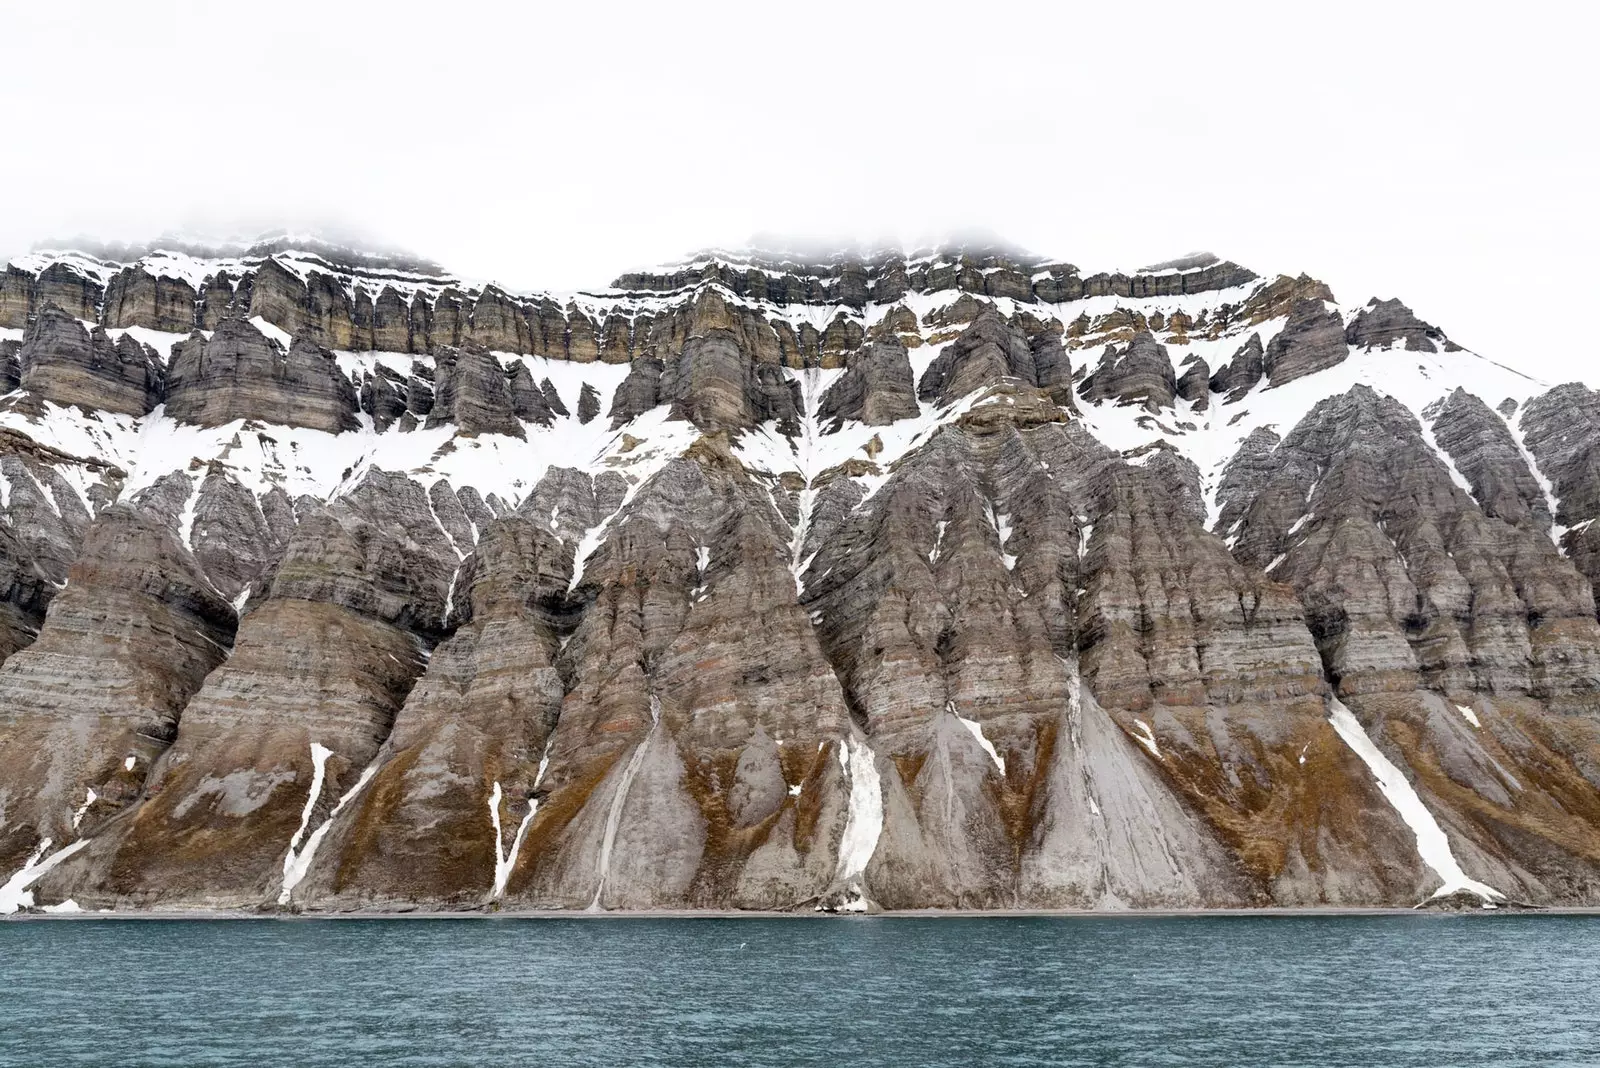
x=988 y=635
x=1561 y=431
x=135 y=297
x=1243 y=372
x=1138 y=373
x=474 y=392
x=1388 y=323
x=456 y=776
x=63 y=362
x=1457 y=634
x=1312 y=340
x=696 y=759
x=713 y=383
x=88 y=707
x=323 y=663
x=876 y=388
x=1405 y=579
x=992 y=348
x=24 y=295
x=241 y=374
x=1025 y=588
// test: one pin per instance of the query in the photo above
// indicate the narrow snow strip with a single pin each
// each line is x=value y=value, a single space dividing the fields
x=186 y=519
x=450 y=595
x=293 y=868
x=90 y=798
x=505 y=860
x=1469 y=715
x=1146 y=737
x=594 y=536
x=1444 y=456
x=303 y=860
x=864 y=822
x=988 y=746
x=15 y=894
x=1515 y=426
x=1433 y=846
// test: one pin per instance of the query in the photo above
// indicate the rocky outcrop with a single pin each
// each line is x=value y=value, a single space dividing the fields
x=1139 y=373
x=135 y=297
x=990 y=349
x=241 y=374
x=1384 y=324
x=1312 y=340
x=321 y=666
x=383 y=396
x=1194 y=385
x=1243 y=372
x=1559 y=430
x=1405 y=580
x=62 y=362
x=1485 y=452
x=876 y=388
x=674 y=764
x=713 y=384
x=474 y=392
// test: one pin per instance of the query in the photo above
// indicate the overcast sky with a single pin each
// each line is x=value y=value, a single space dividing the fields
x=1443 y=156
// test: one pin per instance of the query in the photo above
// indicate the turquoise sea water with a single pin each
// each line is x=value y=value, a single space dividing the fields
x=1368 y=991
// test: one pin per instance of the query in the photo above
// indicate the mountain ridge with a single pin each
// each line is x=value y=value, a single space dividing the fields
x=954 y=579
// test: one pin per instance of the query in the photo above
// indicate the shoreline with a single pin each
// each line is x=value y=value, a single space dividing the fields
x=1296 y=912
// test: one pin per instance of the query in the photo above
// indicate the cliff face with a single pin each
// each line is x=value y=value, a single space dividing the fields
x=960 y=579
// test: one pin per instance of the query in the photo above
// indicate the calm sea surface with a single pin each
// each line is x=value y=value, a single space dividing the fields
x=1429 y=990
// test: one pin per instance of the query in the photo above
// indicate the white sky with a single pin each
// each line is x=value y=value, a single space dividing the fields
x=1433 y=152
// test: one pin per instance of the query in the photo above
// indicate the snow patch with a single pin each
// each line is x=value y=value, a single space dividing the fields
x=91 y=798
x=988 y=746
x=864 y=821
x=297 y=862
x=1433 y=845
x=15 y=894
x=505 y=860
x=1146 y=737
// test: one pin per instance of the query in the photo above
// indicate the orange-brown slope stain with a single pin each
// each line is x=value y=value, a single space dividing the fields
x=1279 y=807
x=1556 y=803
x=457 y=864
x=708 y=777
x=209 y=847
x=556 y=813
x=1022 y=798
x=809 y=768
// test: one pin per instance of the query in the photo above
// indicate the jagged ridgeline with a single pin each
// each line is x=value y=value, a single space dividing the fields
x=956 y=579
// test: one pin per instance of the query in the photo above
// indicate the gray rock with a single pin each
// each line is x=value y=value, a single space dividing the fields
x=241 y=374
x=62 y=362
x=876 y=388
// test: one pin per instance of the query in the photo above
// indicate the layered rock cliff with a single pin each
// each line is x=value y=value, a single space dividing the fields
x=956 y=579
